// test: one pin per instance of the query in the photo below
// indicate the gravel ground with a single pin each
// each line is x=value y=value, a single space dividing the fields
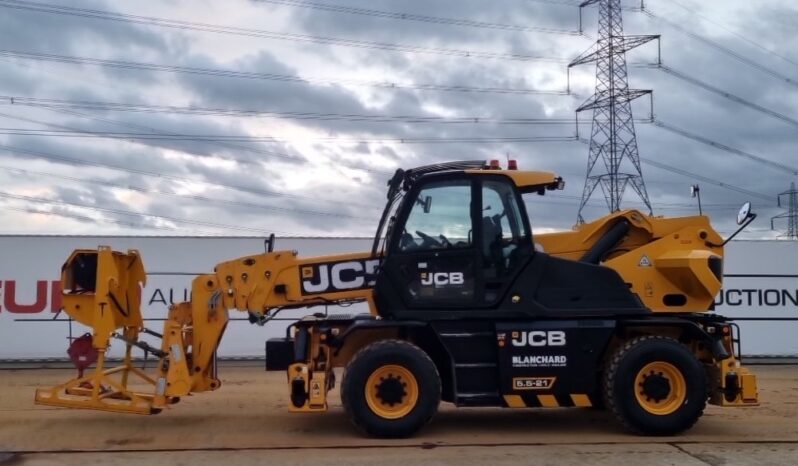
x=246 y=422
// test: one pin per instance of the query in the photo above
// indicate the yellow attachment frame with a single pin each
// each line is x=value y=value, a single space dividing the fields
x=102 y=290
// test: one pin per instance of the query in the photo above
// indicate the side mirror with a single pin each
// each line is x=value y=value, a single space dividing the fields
x=558 y=184
x=427 y=204
x=744 y=214
x=744 y=218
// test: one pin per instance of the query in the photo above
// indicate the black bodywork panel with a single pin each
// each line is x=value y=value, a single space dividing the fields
x=560 y=357
x=480 y=361
x=279 y=353
x=546 y=287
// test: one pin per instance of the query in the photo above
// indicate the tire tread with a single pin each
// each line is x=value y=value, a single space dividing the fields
x=378 y=346
x=611 y=372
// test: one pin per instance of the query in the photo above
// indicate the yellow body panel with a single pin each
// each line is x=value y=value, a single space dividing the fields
x=658 y=257
x=253 y=283
x=523 y=179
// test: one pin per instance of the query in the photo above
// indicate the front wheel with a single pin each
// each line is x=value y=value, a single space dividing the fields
x=655 y=386
x=390 y=388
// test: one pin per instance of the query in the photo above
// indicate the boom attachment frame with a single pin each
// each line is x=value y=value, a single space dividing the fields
x=102 y=290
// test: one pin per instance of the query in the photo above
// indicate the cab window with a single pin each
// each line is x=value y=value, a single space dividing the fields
x=503 y=228
x=440 y=218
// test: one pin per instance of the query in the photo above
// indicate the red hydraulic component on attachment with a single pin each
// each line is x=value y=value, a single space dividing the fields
x=82 y=353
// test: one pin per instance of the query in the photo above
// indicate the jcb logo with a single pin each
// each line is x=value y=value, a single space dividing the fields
x=442 y=278
x=539 y=338
x=339 y=276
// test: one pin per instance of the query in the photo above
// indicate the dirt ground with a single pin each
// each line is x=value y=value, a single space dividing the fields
x=247 y=422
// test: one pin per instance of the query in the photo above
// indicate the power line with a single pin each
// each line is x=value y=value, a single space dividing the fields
x=717 y=145
x=263 y=34
x=742 y=59
x=240 y=188
x=416 y=17
x=660 y=205
x=240 y=203
x=84 y=218
x=695 y=176
x=71 y=160
x=182 y=150
x=557 y=2
x=222 y=137
x=268 y=153
x=83 y=162
x=715 y=90
x=250 y=113
x=223 y=201
x=185 y=196
x=59 y=104
x=122 y=64
x=749 y=41
x=728 y=186
x=705 y=179
x=155 y=191
x=39 y=200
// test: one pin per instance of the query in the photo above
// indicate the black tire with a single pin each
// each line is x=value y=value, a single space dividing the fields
x=379 y=355
x=621 y=386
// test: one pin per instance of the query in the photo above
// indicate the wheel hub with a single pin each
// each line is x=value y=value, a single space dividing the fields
x=660 y=388
x=391 y=390
x=656 y=386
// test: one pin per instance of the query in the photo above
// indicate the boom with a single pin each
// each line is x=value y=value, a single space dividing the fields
x=102 y=291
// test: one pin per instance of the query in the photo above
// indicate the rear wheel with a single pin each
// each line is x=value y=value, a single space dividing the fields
x=390 y=388
x=655 y=386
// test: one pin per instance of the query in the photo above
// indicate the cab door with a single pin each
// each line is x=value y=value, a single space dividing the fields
x=505 y=242
x=432 y=261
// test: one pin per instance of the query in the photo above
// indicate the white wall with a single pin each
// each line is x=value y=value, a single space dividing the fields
x=762 y=281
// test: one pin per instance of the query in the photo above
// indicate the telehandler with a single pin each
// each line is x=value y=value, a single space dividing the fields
x=466 y=306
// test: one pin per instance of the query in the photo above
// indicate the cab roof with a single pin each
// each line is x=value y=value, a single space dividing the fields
x=525 y=181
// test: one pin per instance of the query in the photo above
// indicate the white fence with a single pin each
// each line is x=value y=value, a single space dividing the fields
x=761 y=282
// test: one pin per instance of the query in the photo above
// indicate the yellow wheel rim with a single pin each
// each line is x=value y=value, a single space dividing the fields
x=660 y=388
x=391 y=391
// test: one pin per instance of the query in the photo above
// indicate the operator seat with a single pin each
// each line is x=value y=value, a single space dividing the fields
x=492 y=244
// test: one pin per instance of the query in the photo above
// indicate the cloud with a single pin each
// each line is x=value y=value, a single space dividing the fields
x=307 y=183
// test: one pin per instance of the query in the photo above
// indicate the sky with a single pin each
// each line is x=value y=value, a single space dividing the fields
x=206 y=117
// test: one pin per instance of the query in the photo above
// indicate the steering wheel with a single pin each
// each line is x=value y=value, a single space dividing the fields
x=428 y=239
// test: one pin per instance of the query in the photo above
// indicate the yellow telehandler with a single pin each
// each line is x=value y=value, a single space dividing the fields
x=466 y=306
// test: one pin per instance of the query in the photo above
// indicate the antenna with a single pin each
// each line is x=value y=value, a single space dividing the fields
x=695 y=191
